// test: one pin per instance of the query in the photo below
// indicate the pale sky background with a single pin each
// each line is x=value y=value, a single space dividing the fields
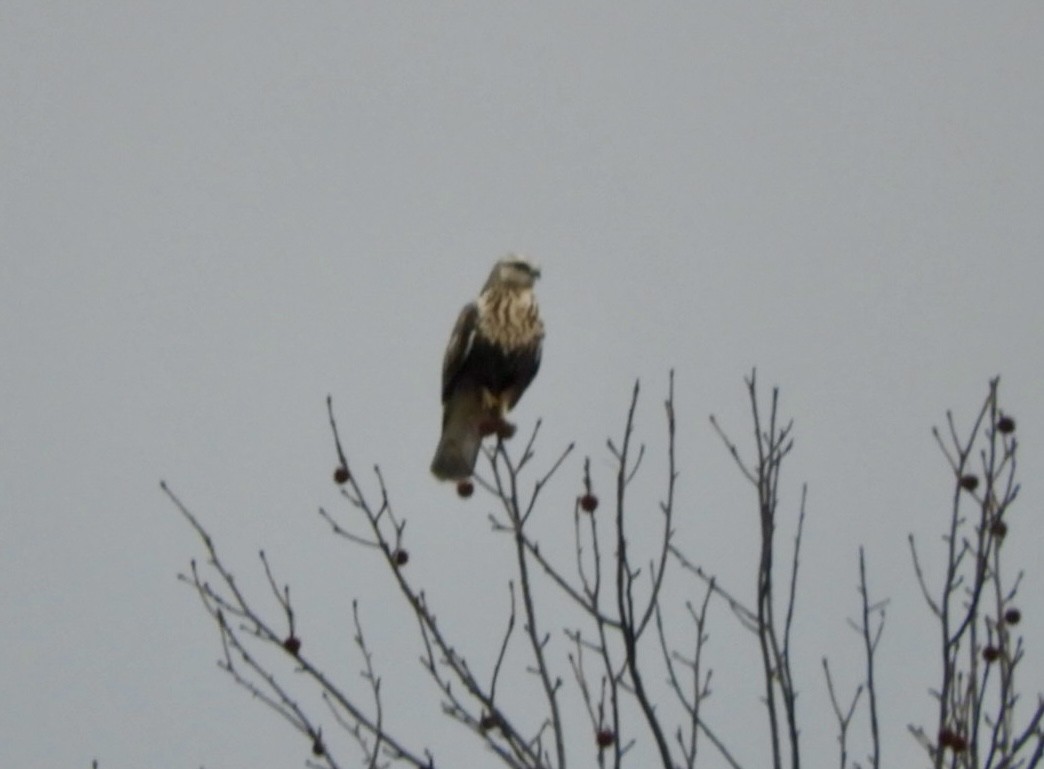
x=214 y=214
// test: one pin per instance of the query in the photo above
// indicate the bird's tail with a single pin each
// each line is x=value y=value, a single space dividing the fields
x=461 y=437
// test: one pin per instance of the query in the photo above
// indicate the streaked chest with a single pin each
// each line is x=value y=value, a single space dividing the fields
x=510 y=319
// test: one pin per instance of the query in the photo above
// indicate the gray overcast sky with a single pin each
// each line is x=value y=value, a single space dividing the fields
x=214 y=214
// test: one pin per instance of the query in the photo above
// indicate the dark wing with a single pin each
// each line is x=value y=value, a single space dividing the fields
x=528 y=363
x=460 y=343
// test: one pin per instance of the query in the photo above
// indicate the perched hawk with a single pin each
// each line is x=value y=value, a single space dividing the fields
x=493 y=355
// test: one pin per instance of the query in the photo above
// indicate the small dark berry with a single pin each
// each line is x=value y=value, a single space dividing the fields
x=292 y=644
x=588 y=503
x=969 y=482
x=950 y=739
x=488 y=721
x=991 y=654
x=401 y=557
x=1012 y=616
x=1006 y=425
x=605 y=738
x=465 y=488
x=999 y=529
x=341 y=475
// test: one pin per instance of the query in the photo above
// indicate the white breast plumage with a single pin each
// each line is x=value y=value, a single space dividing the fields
x=509 y=319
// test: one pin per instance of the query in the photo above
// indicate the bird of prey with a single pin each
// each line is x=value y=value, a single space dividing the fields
x=492 y=356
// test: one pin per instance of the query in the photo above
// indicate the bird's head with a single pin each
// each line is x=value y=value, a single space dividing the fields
x=514 y=271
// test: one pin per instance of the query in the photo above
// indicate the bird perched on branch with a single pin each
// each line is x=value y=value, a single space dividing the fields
x=492 y=356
